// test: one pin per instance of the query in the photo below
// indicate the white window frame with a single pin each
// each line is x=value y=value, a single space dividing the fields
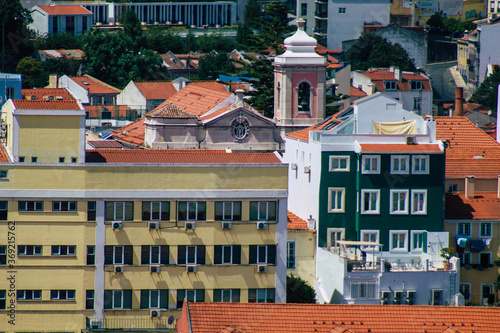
x=291 y=252
x=417 y=103
x=463 y=255
x=116 y=262
x=63 y=295
x=414 y=163
x=415 y=233
x=370 y=232
x=225 y=260
x=24 y=298
x=466 y=297
x=337 y=233
x=195 y=247
x=414 y=210
x=151 y=291
x=416 y=85
x=482 y=286
x=339 y=168
x=231 y=204
x=115 y=295
x=68 y=252
x=481 y=234
x=391 y=85
x=342 y=10
x=364 y=164
x=334 y=191
x=398 y=158
x=459 y=224
x=365 y=210
x=479 y=257
x=155 y=248
x=392 y=246
x=115 y=210
x=37 y=250
x=356 y=291
x=399 y=211
x=232 y=298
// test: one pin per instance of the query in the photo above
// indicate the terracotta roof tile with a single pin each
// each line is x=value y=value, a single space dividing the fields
x=121 y=111
x=109 y=144
x=303 y=134
x=296 y=223
x=356 y=92
x=483 y=206
x=181 y=156
x=46 y=105
x=428 y=148
x=76 y=53
x=214 y=114
x=170 y=110
x=4 y=157
x=132 y=133
x=156 y=90
x=94 y=86
x=379 y=76
x=65 y=10
x=211 y=85
x=46 y=93
x=477 y=167
x=323 y=318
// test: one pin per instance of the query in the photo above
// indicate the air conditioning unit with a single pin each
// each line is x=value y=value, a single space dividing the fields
x=386 y=294
x=384 y=302
x=293 y=166
x=227 y=225
x=119 y=268
x=410 y=140
x=411 y=294
x=154 y=225
x=154 y=268
x=261 y=225
x=189 y=225
x=396 y=302
x=307 y=169
x=117 y=225
x=191 y=269
x=410 y=302
x=155 y=313
x=261 y=268
x=95 y=324
x=398 y=294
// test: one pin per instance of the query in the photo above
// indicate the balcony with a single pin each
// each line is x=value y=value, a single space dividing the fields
x=321 y=1
x=320 y=32
x=321 y=15
x=131 y=325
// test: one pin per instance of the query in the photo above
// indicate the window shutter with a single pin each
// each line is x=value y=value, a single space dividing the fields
x=181 y=255
x=127 y=299
x=237 y=254
x=217 y=254
x=144 y=299
x=202 y=210
x=217 y=295
x=146 y=210
x=253 y=210
x=165 y=211
x=182 y=213
x=145 y=254
x=110 y=210
x=129 y=211
x=271 y=254
x=108 y=299
x=164 y=298
x=108 y=255
x=253 y=254
x=200 y=255
x=200 y=295
x=164 y=254
x=129 y=254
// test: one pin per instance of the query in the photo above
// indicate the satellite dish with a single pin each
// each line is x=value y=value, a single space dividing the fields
x=170 y=320
x=489 y=112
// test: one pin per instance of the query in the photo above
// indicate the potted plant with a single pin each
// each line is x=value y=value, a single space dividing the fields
x=446 y=254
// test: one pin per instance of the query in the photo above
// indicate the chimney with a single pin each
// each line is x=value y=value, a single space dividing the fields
x=239 y=97
x=370 y=89
x=469 y=187
x=398 y=74
x=459 y=101
x=53 y=81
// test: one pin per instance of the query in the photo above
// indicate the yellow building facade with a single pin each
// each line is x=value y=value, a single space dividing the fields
x=118 y=238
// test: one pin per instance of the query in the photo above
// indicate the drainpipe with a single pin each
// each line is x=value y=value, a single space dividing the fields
x=358 y=198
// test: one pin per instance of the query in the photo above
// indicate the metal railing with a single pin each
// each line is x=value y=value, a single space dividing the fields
x=131 y=324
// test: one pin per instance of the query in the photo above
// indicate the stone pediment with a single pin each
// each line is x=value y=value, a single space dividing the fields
x=239 y=113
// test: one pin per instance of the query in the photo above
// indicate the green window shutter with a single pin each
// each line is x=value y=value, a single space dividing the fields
x=110 y=210
x=236 y=296
x=254 y=210
x=200 y=295
x=164 y=298
x=181 y=255
x=270 y=296
x=129 y=254
x=217 y=254
x=202 y=210
x=165 y=211
x=164 y=252
x=108 y=255
x=127 y=299
x=218 y=211
x=271 y=213
x=108 y=299
x=237 y=254
x=425 y=242
x=217 y=295
x=200 y=255
x=129 y=211
x=253 y=254
x=182 y=213
x=146 y=210
x=144 y=299
x=271 y=254
x=145 y=255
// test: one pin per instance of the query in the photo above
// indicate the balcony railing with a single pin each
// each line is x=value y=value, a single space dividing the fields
x=156 y=324
x=321 y=14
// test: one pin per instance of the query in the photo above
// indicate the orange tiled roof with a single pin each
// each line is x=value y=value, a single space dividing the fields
x=296 y=223
x=357 y=92
x=109 y=144
x=95 y=110
x=323 y=50
x=170 y=110
x=332 y=66
x=65 y=10
x=44 y=93
x=483 y=206
x=156 y=90
x=94 y=86
x=181 y=156
x=303 y=134
x=4 y=157
x=215 y=113
x=379 y=76
x=322 y=318
x=132 y=133
x=22 y=104
x=212 y=85
x=428 y=148
x=75 y=53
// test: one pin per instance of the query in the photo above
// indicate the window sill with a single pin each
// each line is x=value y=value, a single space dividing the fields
x=419 y=213
x=400 y=172
x=399 y=213
x=371 y=213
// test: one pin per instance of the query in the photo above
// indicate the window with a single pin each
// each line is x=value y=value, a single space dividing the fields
x=390 y=85
x=74 y=160
x=227 y=295
x=416 y=85
x=398 y=240
x=61 y=159
x=334 y=235
x=485 y=229
x=290 y=254
x=89 y=300
x=21 y=159
x=420 y=165
x=154 y=299
x=263 y=210
x=418 y=240
x=228 y=211
x=91 y=211
x=342 y=10
x=191 y=254
x=463 y=229
x=419 y=202
x=29 y=250
x=485 y=259
x=487 y=295
x=64 y=206
x=399 y=202
x=2 y=299
x=106 y=100
x=29 y=294
x=154 y=254
x=227 y=254
x=34 y=159
x=371 y=164
x=192 y=210
x=336 y=200
x=62 y=294
x=370 y=236
x=3 y=254
x=3 y=210
x=261 y=295
x=119 y=210
x=339 y=163
x=192 y=295
x=262 y=254
x=303 y=9
x=70 y=24
x=304 y=97
x=3 y=174
x=118 y=255
x=400 y=164
x=363 y=289
x=416 y=104
x=452 y=188
x=30 y=206
x=370 y=203
x=63 y=250
x=464 y=258
x=155 y=210
x=90 y=255
x=55 y=28
x=464 y=289
x=117 y=299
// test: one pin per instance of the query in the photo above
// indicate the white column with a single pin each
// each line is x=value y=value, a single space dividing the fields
x=100 y=241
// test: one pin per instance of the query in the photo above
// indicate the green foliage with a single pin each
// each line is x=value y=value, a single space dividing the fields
x=487 y=92
x=213 y=64
x=62 y=66
x=496 y=285
x=262 y=98
x=34 y=75
x=243 y=35
x=217 y=42
x=447 y=253
x=252 y=14
x=371 y=50
x=60 y=41
x=162 y=41
x=448 y=26
x=299 y=291
x=132 y=27
x=331 y=97
x=274 y=25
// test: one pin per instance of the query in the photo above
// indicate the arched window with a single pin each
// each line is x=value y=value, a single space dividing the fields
x=304 y=97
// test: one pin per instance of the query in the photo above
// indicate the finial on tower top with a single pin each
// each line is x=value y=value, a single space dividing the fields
x=300 y=23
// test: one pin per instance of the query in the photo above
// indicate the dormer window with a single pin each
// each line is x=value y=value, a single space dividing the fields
x=390 y=85
x=416 y=85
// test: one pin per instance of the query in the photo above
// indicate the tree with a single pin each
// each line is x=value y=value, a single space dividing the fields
x=262 y=98
x=371 y=50
x=162 y=41
x=59 y=41
x=33 y=73
x=274 y=25
x=213 y=64
x=62 y=66
x=299 y=291
x=217 y=42
x=252 y=14
x=448 y=26
x=132 y=27
x=487 y=92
